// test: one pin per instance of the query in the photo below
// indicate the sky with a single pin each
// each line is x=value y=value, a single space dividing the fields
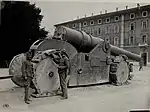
x=55 y=12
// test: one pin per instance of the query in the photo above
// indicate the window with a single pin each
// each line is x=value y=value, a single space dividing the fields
x=116 y=18
x=86 y=57
x=99 y=30
x=144 y=14
x=116 y=40
x=144 y=24
x=107 y=20
x=131 y=40
x=92 y=31
x=106 y=30
x=100 y=21
x=132 y=27
x=88 y=30
x=132 y=16
x=85 y=23
x=74 y=25
x=95 y=32
x=116 y=29
x=144 y=39
x=107 y=39
x=91 y=22
x=67 y=25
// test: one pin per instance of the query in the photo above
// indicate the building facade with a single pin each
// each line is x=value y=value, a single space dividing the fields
x=128 y=29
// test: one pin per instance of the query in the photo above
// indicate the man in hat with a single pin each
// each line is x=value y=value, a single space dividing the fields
x=63 y=73
x=28 y=74
x=62 y=61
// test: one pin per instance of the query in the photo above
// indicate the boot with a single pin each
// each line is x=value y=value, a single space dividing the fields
x=27 y=102
x=58 y=92
x=64 y=98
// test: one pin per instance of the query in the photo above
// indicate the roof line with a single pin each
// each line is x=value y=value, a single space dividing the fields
x=123 y=11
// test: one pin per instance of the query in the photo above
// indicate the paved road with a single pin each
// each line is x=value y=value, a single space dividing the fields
x=104 y=98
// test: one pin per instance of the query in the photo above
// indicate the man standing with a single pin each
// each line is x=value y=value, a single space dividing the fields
x=130 y=71
x=63 y=73
x=63 y=66
x=141 y=64
x=28 y=74
x=62 y=61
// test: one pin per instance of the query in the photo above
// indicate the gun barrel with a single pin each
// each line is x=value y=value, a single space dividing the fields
x=132 y=56
x=85 y=43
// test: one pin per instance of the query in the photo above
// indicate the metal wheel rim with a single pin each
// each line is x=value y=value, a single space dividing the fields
x=122 y=72
x=15 y=69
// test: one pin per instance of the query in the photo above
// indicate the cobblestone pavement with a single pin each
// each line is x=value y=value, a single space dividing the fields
x=103 y=98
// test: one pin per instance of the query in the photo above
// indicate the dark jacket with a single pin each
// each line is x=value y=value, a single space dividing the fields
x=27 y=69
x=63 y=64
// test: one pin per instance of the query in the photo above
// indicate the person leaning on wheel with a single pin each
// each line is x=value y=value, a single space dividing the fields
x=63 y=67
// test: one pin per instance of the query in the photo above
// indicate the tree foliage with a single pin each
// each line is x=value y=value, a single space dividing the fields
x=20 y=27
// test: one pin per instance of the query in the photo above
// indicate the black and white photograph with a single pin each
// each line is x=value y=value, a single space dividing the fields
x=75 y=56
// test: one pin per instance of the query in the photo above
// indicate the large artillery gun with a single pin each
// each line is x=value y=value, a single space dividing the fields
x=92 y=61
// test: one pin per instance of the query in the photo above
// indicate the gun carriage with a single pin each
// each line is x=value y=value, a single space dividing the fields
x=92 y=61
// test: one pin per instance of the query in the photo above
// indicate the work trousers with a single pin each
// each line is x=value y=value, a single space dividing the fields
x=63 y=83
x=141 y=68
x=27 y=86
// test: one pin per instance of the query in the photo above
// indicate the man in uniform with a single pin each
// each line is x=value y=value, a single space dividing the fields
x=130 y=71
x=63 y=74
x=63 y=70
x=141 y=64
x=28 y=74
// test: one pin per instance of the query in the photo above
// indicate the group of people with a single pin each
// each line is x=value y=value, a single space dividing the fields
x=60 y=59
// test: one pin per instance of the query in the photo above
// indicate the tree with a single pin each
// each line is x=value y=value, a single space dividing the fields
x=20 y=27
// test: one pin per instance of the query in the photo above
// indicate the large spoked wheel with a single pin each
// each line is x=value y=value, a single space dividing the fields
x=15 y=69
x=122 y=72
x=121 y=75
x=46 y=78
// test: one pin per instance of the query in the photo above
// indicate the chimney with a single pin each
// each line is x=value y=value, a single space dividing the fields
x=105 y=11
x=126 y=7
x=77 y=17
x=100 y=12
x=116 y=8
x=138 y=5
x=85 y=15
x=92 y=14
